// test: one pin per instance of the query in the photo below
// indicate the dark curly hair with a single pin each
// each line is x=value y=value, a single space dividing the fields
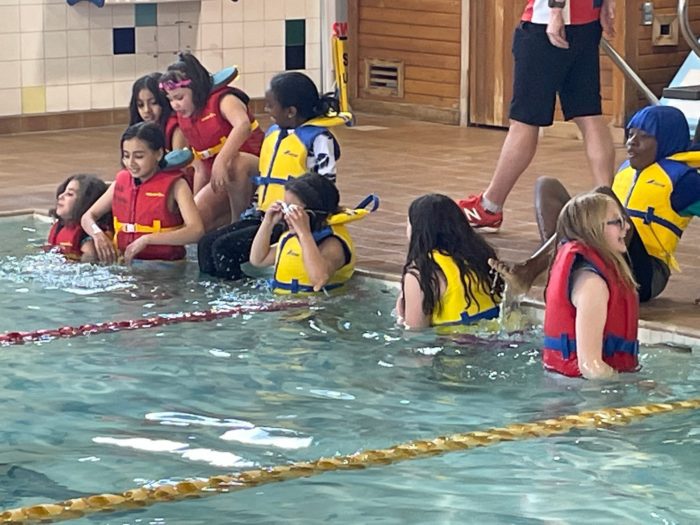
x=319 y=195
x=90 y=188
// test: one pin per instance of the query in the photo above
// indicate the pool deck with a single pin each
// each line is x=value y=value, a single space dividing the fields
x=397 y=158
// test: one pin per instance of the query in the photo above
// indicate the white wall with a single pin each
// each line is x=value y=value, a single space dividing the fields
x=55 y=57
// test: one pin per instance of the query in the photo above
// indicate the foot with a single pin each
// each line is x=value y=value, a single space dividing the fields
x=517 y=276
x=479 y=218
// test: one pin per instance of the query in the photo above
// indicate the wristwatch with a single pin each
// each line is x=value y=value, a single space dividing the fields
x=559 y=4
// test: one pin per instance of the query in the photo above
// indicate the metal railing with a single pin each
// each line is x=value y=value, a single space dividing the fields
x=628 y=71
x=686 y=30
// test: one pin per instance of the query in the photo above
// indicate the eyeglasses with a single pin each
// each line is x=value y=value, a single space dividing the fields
x=619 y=222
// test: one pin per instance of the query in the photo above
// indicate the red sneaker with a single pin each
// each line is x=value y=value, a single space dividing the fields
x=479 y=218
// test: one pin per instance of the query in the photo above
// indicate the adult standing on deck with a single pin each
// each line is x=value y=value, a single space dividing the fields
x=555 y=50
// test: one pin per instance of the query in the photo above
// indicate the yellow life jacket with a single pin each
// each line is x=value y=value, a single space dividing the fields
x=284 y=153
x=452 y=308
x=290 y=276
x=647 y=197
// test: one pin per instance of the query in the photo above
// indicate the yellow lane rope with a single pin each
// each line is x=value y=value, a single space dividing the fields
x=194 y=488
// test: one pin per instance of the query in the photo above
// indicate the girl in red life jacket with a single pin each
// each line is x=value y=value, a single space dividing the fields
x=224 y=135
x=73 y=197
x=154 y=211
x=149 y=104
x=591 y=302
x=446 y=277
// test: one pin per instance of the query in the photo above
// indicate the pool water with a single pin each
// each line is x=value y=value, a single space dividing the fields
x=109 y=412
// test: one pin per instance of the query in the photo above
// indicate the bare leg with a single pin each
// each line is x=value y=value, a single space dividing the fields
x=550 y=198
x=516 y=154
x=214 y=208
x=520 y=276
x=240 y=186
x=599 y=148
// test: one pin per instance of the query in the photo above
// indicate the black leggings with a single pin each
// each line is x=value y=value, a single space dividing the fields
x=221 y=252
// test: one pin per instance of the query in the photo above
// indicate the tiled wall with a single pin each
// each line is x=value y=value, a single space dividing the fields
x=55 y=57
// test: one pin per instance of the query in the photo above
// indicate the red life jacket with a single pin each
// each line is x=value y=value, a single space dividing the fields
x=68 y=239
x=170 y=127
x=207 y=130
x=620 y=345
x=141 y=209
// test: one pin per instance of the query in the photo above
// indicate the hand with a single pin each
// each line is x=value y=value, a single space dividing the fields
x=220 y=171
x=135 y=248
x=106 y=252
x=298 y=219
x=607 y=18
x=556 y=30
x=274 y=213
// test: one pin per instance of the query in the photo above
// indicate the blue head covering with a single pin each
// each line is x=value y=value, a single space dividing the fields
x=667 y=125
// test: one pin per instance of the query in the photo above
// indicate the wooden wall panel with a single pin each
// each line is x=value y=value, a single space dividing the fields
x=656 y=65
x=425 y=36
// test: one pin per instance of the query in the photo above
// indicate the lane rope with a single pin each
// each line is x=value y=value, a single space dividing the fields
x=194 y=488
x=16 y=338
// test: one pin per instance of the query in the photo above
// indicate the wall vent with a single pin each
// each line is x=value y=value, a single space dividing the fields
x=384 y=78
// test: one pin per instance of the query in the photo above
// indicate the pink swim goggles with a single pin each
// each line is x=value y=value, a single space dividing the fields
x=169 y=85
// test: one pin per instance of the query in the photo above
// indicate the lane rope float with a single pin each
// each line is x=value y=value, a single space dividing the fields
x=194 y=488
x=15 y=338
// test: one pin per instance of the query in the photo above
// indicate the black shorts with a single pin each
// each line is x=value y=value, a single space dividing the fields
x=542 y=71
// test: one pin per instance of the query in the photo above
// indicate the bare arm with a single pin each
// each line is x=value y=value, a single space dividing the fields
x=413 y=303
x=178 y=139
x=590 y=296
x=607 y=18
x=191 y=231
x=106 y=252
x=233 y=110
x=261 y=253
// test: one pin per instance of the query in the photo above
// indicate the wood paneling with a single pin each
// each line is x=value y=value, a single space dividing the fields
x=425 y=36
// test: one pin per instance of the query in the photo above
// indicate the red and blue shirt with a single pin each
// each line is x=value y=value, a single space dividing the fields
x=576 y=12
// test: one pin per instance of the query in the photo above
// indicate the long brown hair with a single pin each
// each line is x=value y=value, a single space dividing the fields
x=583 y=219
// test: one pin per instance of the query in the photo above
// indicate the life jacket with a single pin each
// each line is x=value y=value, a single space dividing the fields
x=68 y=239
x=284 y=153
x=170 y=127
x=620 y=345
x=207 y=130
x=646 y=195
x=290 y=276
x=453 y=303
x=142 y=209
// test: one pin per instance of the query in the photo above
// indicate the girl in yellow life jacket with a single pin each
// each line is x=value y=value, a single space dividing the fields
x=446 y=278
x=311 y=255
x=297 y=142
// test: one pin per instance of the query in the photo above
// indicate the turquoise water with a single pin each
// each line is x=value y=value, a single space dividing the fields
x=109 y=412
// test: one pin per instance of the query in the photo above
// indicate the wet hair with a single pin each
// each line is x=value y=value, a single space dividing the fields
x=90 y=188
x=438 y=223
x=583 y=219
x=319 y=195
x=187 y=67
x=295 y=89
x=149 y=133
x=150 y=83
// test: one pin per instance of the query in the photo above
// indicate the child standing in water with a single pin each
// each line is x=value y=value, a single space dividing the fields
x=154 y=212
x=73 y=198
x=298 y=142
x=446 y=278
x=591 y=302
x=223 y=134
x=311 y=255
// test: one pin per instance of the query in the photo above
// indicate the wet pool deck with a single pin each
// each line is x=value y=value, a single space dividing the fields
x=397 y=158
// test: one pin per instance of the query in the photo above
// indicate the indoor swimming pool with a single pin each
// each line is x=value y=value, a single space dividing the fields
x=109 y=412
